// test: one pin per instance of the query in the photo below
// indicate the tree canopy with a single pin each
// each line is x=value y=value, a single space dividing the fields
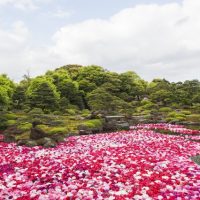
x=95 y=88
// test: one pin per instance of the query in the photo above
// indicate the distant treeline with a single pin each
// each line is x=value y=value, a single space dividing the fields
x=78 y=87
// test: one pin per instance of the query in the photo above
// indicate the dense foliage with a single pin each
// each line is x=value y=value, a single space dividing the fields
x=92 y=87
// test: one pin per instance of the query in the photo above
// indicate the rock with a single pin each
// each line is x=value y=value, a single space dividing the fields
x=31 y=143
x=85 y=132
x=35 y=123
x=9 y=138
x=57 y=138
x=49 y=143
x=13 y=130
x=196 y=159
x=10 y=134
x=43 y=141
x=123 y=126
x=21 y=142
x=37 y=133
x=46 y=142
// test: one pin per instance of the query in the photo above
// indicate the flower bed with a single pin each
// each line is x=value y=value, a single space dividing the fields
x=168 y=127
x=137 y=164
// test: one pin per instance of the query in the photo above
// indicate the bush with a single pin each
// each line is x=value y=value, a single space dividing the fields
x=172 y=114
x=92 y=124
x=71 y=111
x=175 y=105
x=57 y=130
x=165 y=109
x=25 y=126
x=193 y=118
x=57 y=113
x=37 y=111
x=43 y=127
x=85 y=113
x=175 y=114
x=186 y=112
x=10 y=116
x=169 y=119
x=52 y=130
x=11 y=122
x=146 y=112
x=180 y=119
x=23 y=136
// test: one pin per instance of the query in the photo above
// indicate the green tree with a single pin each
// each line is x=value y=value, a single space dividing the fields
x=42 y=94
x=6 y=91
x=93 y=74
x=4 y=98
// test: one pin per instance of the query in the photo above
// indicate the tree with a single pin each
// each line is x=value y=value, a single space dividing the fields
x=42 y=94
x=6 y=91
x=102 y=101
x=99 y=100
x=161 y=96
x=93 y=74
x=4 y=98
x=130 y=85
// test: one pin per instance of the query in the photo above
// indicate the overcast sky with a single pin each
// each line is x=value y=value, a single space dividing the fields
x=151 y=37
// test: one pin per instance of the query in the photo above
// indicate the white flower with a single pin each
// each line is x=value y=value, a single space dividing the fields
x=169 y=187
x=121 y=192
x=137 y=197
x=160 y=197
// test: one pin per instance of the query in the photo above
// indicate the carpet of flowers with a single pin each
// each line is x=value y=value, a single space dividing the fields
x=138 y=164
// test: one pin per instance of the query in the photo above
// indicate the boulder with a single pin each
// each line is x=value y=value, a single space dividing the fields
x=31 y=143
x=57 y=138
x=123 y=126
x=85 y=132
x=9 y=138
x=21 y=142
x=196 y=159
x=49 y=142
x=37 y=133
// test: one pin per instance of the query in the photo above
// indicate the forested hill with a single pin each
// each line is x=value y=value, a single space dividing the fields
x=94 y=88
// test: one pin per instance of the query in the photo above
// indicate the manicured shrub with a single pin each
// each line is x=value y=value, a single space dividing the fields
x=186 y=112
x=11 y=122
x=94 y=123
x=37 y=111
x=165 y=109
x=193 y=118
x=85 y=113
x=10 y=116
x=71 y=111
x=172 y=114
x=25 y=126
x=43 y=127
x=57 y=130
x=23 y=136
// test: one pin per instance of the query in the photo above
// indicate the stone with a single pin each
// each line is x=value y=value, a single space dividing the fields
x=37 y=133
x=21 y=142
x=85 y=132
x=9 y=138
x=57 y=138
x=49 y=143
x=196 y=159
x=31 y=143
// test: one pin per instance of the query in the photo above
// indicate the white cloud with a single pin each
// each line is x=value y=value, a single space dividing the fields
x=154 y=40
x=14 y=49
x=23 y=4
x=62 y=13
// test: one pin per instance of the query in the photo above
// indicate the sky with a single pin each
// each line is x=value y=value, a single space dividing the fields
x=154 y=38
